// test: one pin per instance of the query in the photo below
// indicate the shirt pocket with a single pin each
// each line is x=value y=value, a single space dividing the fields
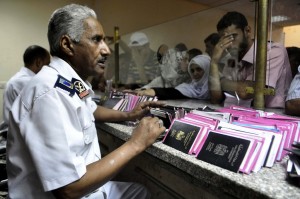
x=89 y=132
x=87 y=122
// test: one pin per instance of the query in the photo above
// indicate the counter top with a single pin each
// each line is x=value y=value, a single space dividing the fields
x=266 y=183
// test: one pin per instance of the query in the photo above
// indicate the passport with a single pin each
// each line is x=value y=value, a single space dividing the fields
x=182 y=136
x=223 y=150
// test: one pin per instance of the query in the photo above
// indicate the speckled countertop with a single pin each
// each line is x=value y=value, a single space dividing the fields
x=266 y=183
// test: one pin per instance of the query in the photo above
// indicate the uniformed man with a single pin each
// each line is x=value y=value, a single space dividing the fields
x=52 y=147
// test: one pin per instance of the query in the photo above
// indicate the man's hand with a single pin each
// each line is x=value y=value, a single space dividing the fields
x=146 y=133
x=142 y=109
x=220 y=48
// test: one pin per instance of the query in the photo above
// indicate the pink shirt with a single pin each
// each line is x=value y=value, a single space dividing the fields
x=278 y=73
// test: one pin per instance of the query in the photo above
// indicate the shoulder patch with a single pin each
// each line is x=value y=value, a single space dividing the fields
x=65 y=85
x=71 y=87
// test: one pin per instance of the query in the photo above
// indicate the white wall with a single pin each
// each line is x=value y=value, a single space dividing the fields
x=23 y=23
x=292 y=36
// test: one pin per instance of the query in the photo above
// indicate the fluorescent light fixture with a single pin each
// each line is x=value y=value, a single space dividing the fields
x=279 y=18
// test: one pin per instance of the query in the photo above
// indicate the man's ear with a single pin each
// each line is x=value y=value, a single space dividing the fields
x=36 y=65
x=38 y=62
x=247 y=30
x=66 y=45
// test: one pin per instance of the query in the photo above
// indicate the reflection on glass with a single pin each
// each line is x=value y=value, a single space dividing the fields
x=142 y=47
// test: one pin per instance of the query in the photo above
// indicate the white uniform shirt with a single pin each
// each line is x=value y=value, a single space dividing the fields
x=13 y=88
x=52 y=135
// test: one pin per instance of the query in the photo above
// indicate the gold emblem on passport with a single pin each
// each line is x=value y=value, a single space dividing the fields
x=180 y=135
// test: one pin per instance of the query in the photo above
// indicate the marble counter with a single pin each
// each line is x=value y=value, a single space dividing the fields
x=266 y=183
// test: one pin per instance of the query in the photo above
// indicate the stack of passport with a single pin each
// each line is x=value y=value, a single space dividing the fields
x=238 y=139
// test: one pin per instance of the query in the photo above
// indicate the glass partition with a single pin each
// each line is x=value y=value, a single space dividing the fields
x=285 y=20
x=165 y=50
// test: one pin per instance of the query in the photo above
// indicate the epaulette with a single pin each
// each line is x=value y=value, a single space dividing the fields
x=71 y=87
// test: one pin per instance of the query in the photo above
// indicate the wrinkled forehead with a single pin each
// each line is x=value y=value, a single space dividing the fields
x=93 y=26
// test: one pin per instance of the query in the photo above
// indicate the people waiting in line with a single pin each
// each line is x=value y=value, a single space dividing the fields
x=144 y=64
x=34 y=58
x=198 y=69
x=235 y=73
x=181 y=47
x=174 y=69
x=52 y=146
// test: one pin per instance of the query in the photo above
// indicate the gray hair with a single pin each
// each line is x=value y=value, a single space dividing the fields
x=68 y=20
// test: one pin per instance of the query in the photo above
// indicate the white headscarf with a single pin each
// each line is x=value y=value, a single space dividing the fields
x=197 y=89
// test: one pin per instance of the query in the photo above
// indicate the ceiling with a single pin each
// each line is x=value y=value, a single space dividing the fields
x=288 y=8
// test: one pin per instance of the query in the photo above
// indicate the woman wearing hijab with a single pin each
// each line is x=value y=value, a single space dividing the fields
x=198 y=69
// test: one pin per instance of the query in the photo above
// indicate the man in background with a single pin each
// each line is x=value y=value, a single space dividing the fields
x=34 y=58
x=232 y=63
